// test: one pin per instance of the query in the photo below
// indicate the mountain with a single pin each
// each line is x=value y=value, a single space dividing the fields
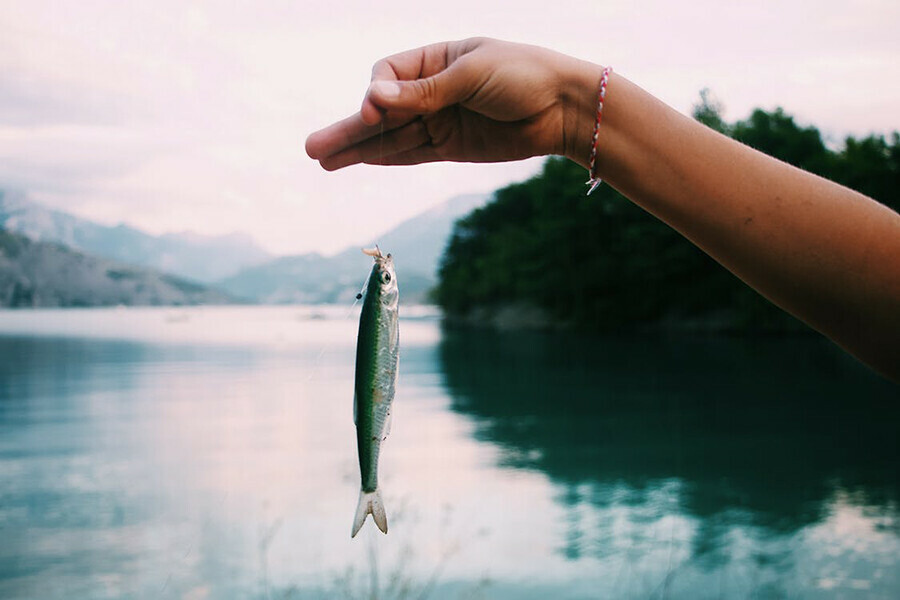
x=202 y=258
x=420 y=241
x=417 y=245
x=46 y=274
x=234 y=262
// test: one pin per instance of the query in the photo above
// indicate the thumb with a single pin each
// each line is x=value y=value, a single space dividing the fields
x=422 y=96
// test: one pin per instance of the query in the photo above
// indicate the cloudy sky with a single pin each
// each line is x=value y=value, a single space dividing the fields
x=181 y=115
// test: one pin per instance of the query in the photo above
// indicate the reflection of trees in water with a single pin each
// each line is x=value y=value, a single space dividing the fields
x=754 y=433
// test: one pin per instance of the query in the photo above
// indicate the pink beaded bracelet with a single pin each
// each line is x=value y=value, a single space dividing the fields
x=595 y=181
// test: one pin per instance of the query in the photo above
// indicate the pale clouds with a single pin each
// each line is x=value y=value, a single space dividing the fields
x=174 y=115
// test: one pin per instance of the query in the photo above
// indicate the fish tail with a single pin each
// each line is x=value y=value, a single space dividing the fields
x=369 y=503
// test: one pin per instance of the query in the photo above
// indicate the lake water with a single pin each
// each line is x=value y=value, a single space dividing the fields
x=210 y=453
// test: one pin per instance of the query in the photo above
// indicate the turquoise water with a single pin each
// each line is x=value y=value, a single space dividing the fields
x=210 y=453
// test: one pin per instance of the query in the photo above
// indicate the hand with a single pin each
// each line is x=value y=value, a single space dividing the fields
x=787 y=233
x=477 y=100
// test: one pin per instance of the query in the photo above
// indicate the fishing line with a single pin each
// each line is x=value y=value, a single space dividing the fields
x=316 y=362
x=365 y=285
x=381 y=144
x=359 y=296
x=362 y=291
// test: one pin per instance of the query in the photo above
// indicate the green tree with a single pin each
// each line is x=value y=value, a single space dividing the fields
x=601 y=262
x=709 y=112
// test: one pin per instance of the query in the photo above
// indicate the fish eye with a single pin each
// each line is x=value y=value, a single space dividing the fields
x=386 y=277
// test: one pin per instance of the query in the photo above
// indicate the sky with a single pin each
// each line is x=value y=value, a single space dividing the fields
x=173 y=116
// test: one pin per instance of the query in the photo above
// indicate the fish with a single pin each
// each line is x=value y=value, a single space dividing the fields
x=377 y=360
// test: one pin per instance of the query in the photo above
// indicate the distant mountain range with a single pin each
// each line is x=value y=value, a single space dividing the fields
x=63 y=260
x=46 y=274
x=189 y=255
x=417 y=245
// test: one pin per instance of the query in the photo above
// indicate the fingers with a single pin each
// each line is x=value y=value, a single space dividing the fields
x=376 y=149
x=333 y=138
x=413 y=64
x=417 y=82
x=420 y=81
x=370 y=113
x=414 y=156
x=349 y=132
x=425 y=95
x=406 y=66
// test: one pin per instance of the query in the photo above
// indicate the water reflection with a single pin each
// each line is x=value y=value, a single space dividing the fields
x=82 y=500
x=212 y=456
x=703 y=449
x=135 y=463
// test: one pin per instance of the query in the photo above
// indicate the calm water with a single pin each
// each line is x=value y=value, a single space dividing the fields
x=210 y=453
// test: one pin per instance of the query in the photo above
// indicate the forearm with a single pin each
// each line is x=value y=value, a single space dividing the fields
x=824 y=253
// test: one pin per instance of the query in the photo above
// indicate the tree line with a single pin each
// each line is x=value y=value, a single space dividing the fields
x=600 y=262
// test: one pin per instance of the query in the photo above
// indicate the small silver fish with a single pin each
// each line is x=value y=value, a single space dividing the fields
x=377 y=355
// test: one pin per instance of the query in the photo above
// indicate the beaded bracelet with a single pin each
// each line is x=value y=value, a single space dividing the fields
x=595 y=181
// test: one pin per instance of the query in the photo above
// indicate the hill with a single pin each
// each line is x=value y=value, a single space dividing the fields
x=417 y=245
x=190 y=255
x=44 y=274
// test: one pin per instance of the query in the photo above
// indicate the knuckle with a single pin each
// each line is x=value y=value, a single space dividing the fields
x=379 y=68
x=428 y=93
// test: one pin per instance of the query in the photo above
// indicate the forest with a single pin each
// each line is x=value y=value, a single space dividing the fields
x=601 y=263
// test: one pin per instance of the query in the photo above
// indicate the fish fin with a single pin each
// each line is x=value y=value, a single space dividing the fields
x=369 y=503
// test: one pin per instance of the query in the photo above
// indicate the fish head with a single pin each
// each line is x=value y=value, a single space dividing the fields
x=383 y=279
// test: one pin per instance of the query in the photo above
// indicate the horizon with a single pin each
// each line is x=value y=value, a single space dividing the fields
x=173 y=118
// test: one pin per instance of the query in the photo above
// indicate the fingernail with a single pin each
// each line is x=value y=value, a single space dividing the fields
x=388 y=90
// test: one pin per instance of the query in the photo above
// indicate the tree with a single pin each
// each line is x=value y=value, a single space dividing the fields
x=601 y=262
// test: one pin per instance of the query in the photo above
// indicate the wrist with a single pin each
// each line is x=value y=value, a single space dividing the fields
x=579 y=85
